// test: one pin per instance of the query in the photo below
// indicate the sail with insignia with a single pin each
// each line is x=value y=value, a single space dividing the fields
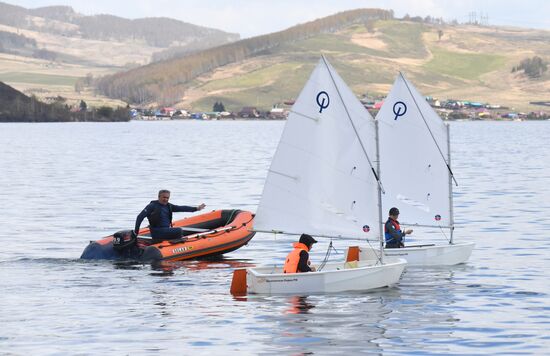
x=414 y=158
x=322 y=178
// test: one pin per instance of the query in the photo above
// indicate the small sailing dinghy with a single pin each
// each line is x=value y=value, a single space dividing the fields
x=415 y=166
x=322 y=182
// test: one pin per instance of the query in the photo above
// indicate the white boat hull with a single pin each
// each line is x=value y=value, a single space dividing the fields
x=432 y=255
x=334 y=278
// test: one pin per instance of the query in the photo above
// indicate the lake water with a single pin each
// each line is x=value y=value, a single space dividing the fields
x=62 y=185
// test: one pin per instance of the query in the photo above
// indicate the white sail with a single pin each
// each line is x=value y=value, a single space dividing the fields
x=320 y=181
x=414 y=158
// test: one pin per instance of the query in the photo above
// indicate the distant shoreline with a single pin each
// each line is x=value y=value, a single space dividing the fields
x=242 y=120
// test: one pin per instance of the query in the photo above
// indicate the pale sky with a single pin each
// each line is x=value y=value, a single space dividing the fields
x=251 y=18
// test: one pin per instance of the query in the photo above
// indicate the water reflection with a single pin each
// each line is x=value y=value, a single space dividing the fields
x=162 y=269
x=216 y=263
x=426 y=302
x=299 y=305
x=128 y=265
x=417 y=312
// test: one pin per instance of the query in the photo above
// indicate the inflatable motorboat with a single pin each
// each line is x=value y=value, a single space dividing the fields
x=206 y=235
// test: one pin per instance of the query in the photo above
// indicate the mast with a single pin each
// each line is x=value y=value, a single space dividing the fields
x=380 y=222
x=451 y=212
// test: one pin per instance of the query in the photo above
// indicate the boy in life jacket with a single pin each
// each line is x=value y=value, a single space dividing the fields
x=298 y=259
x=392 y=230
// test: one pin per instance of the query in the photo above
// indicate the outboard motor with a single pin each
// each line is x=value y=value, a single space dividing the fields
x=125 y=244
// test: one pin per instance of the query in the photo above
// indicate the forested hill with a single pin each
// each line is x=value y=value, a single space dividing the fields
x=166 y=81
x=17 y=107
x=159 y=33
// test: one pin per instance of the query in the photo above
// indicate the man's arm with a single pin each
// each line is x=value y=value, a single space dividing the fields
x=185 y=208
x=148 y=209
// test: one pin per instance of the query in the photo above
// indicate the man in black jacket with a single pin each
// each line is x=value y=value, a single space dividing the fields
x=159 y=213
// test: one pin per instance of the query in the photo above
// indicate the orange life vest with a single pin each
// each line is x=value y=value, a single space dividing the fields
x=291 y=263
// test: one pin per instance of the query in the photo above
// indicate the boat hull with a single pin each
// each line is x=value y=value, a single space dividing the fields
x=228 y=230
x=431 y=255
x=334 y=278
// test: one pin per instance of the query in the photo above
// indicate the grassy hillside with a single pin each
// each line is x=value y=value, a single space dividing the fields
x=468 y=62
x=166 y=81
x=469 y=66
x=46 y=79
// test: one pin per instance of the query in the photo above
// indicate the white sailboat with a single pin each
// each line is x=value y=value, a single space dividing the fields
x=415 y=166
x=322 y=182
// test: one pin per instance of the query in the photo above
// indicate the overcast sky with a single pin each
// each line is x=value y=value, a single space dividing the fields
x=256 y=17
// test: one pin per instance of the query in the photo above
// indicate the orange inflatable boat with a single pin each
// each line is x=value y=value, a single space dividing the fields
x=206 y=235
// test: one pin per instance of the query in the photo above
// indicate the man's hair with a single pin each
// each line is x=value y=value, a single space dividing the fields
x=394 y=211
x=162 y=191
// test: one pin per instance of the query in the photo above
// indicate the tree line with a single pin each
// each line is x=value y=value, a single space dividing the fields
x=157 y=32
x=13 y=43
x=10 y=40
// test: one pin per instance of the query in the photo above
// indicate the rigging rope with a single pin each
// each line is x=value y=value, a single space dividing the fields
x=327 y=256
x=443 y=232
x=378 y=256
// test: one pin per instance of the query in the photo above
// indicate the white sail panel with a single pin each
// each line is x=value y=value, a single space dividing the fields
x=414 y=157
x=320 y=181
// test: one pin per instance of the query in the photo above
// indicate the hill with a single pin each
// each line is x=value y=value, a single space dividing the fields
x=17 y=107
x=166 y=81
x=54 y=50
x=63 y=21
x=367 y=48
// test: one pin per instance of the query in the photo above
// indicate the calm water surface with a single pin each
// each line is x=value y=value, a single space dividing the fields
x=62 y=185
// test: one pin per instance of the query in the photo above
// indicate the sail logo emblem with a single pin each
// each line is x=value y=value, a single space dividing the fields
x=323 y=100
x=437 y=217
x=366 y=228
x=399 y=109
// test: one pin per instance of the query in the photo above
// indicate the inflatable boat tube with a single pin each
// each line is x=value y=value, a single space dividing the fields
x=206 y=235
